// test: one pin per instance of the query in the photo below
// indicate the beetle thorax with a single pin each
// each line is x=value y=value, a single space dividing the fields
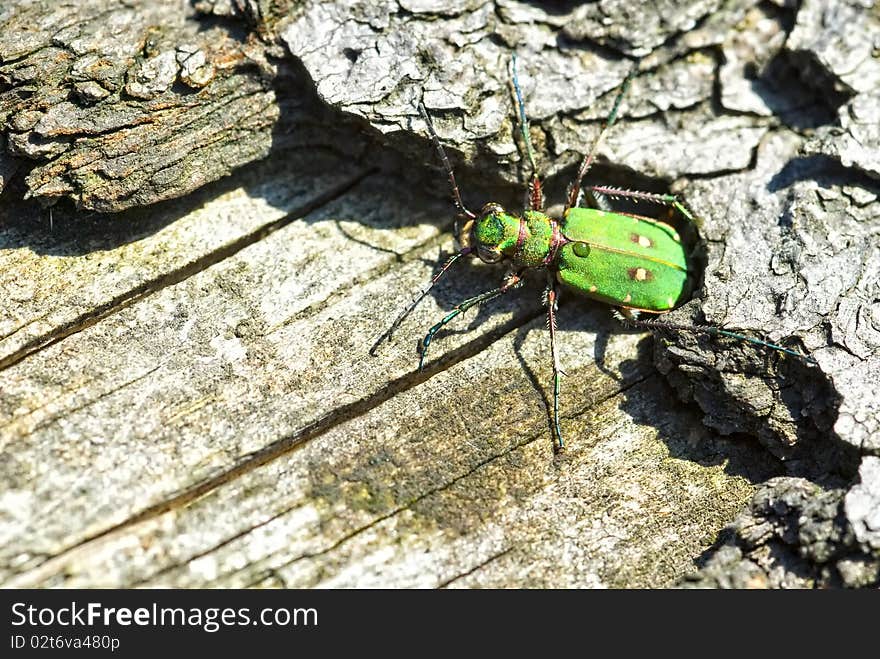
x=529 y=241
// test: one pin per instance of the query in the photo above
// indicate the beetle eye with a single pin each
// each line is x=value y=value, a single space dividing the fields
x=489 y=254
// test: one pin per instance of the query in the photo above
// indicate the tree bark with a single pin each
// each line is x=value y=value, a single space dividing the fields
x=765 y=117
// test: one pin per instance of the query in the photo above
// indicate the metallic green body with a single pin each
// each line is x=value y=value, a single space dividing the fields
x=502 y=231
x=624 y=260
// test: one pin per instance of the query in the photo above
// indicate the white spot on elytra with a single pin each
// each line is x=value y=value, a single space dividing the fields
x=628 y=298
x=644 y=241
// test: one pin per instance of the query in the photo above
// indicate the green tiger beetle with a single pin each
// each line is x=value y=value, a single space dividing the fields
x=634 y=263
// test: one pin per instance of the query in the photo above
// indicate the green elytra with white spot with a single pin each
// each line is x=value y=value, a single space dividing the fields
x=636 y=263
x=625 y=260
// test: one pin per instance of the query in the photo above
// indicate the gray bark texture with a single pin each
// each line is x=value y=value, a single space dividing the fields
x=186 y=397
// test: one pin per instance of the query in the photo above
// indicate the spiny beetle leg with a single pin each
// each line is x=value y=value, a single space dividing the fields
x=628 y=318
x=550 y=299
x=511 y=281
x=669 y=200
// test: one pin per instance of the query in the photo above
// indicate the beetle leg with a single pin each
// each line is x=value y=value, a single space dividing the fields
x=416 y=300
x=630 y=320
x=511 y=280
x=453 y=186
x=550 y=300
x=670 y=200
x=586 y=163
x=628 y=314
x=595 y=199
x=534 y=193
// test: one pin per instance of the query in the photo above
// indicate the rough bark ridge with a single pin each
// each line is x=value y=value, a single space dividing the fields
x=116 y=104
x=764 y=115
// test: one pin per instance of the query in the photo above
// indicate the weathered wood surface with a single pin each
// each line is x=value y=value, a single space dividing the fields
x=233 y=430
x=186 y=395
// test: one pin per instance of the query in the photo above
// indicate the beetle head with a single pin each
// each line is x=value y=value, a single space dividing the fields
x=491 y=234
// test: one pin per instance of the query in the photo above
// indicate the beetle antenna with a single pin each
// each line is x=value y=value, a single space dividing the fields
x=456 y=195
x=421 y=296
x=536 y=194
x=587 y=162
x=711 y=331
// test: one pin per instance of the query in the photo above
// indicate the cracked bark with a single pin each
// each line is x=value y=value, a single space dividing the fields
x=116 y=105
x=755 y=112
